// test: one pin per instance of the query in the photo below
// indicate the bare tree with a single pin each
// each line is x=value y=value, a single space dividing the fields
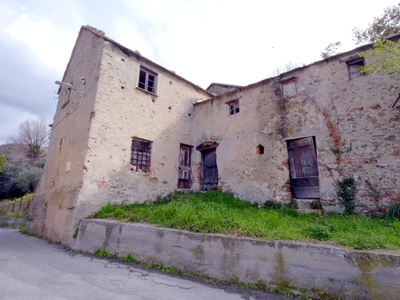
x=33 y=137
x=331 y=50
x=381 y=27
x=285 y=68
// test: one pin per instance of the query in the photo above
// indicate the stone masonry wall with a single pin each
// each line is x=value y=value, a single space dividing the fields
x=356 y=132
x=53 y=208
x=122 y=111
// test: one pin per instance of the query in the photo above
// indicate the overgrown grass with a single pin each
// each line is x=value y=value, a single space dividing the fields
x=216 y=212
x=24 y=198
x=5 y=205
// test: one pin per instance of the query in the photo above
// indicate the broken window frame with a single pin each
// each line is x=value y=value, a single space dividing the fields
x=141 y=154
x=147 y=80
x=233 y=107
x=360 y=62
x=286 y=83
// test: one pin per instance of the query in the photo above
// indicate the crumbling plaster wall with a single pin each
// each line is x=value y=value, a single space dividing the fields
x=241 y=170
x=53 y=208
x=122 y=111
x=356 y=134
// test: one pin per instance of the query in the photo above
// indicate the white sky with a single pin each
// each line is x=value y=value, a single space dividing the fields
x=227 y=41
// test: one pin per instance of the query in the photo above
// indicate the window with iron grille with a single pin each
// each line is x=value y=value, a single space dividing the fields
x=147 y=80
x=140 y=154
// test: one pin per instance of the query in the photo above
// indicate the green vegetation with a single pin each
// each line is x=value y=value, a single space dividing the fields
x=15 y=208
x=393 y=212
x=381 y=27
x=216 y=212
x=2 y=162
x=18 y=180
x=100 y=252
x=128 y=259
x=386 y=58
x=345 y=192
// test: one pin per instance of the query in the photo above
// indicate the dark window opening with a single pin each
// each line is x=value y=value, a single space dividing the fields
x=147 y=80
x=233 y=107
x=260 y=149
x=354 y=68
x=184 y=169
x=140 y=154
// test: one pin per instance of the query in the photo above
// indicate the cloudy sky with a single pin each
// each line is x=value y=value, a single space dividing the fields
x=227 y=41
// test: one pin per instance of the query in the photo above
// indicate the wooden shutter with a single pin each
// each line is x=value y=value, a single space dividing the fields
x=184 y=169
x=303 y=168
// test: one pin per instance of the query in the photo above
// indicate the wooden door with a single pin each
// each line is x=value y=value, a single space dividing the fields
x=303 y=168
x=184 y=169
x=210 y=169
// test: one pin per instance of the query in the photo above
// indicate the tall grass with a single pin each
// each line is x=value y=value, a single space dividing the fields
x=216 y=212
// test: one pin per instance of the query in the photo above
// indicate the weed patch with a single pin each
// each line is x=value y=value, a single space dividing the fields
x=128 y=259
x=100 y=252
x=216 y=212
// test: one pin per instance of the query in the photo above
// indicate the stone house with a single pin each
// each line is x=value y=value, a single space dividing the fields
x=126 y=129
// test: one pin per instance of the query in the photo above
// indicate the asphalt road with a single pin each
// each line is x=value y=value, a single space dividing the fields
x=33 y=268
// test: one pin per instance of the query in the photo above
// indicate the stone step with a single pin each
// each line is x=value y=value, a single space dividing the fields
x=304 y=203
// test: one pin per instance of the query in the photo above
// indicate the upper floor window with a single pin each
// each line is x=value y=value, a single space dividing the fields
x=233 y=106
x=147 y=80
x=140 y=154
x=289 y=88
x=353 y=67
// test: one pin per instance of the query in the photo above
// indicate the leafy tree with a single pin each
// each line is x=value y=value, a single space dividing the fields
x=2 y=162
x=33 y=137
x=18 y=180
x=385 y=58
x=331 y=50
x=380 y=28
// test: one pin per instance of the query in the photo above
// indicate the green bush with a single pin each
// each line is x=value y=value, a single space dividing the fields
x=345 y=193
x=18 y=180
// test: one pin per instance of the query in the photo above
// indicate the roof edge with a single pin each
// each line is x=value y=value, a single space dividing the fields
x=136 y=54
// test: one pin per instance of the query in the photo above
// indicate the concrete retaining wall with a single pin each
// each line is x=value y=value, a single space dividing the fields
x=318 y=270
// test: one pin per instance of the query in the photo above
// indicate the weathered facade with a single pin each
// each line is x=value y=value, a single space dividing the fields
x=127 y=129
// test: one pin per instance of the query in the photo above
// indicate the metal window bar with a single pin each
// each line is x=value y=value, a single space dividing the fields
x=140 y=154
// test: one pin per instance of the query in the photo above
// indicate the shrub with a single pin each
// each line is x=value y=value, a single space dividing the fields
x=394 y=211
x=345 y=193
x=269 y=204
x=17 y=181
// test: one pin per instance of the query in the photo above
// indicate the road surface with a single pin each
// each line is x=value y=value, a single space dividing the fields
x=33 y=268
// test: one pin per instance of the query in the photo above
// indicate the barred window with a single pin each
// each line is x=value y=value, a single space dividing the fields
x=140 y=154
